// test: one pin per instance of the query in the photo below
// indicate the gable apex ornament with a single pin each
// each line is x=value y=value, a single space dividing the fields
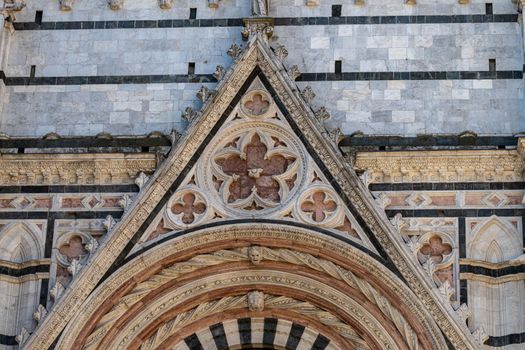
x=256 y=62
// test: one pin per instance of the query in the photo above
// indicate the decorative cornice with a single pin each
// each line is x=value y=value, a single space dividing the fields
x=442 y=166
x=74 y=169
x=492 y=280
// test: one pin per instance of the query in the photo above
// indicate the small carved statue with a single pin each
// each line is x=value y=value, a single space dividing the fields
x=256 y=301
x=255 y=254
x=260 y=8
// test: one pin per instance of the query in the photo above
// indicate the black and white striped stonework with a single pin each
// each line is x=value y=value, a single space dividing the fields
x=255 y=334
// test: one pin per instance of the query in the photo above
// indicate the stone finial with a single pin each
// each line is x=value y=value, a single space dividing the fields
x=480 y=335
x=255 y=254
x=322 y=115
x=125 y=201
x=308 y=94
x=219 y=73
x=295 y=72
x=383 y=200
x=312 y=3
x=91 y=246
x=234 y=51
x=108 y=223
x=22 y=337
x=255 y=301
x=75 y=267
x=65 y=5
x=116 y=4
x=430 y=267
x=213 y=4
x=189 y=114
x=446 y=290
x=141 y=180
x=40 y=314
x=175 y=135
x=336 y=135
x=57 y=291
x=262 y=25
x=165 y=4
x=281 y=52
x=204 y=94
x=463 y=312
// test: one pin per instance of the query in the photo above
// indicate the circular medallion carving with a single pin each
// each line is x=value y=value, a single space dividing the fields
x=256 y=168
x=319 y=205
x=257 y=104
x=187 y=207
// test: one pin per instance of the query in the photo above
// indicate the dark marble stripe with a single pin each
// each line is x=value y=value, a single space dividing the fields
x=463 y=292
x=87 y=142
x=52 y=215
x=296 y=333
x=29 y=270
x=421 y=213
x=8 y=340
x=446 y=186
x=270 y=328
x=70 y=189
x=279 y=21
x=480 y=270
x=245 y=330
x=219 y=336
x=321 y=342
x=516 y=338
x=193 y=342
x=388 y=141
x=208 y=78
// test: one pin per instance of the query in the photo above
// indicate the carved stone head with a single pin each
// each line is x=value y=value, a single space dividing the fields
x=256 y=301
x=255 y=254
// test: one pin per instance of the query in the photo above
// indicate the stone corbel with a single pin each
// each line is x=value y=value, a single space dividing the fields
x=165 y=4
x=65 y=5
x=116 y=4
x=213 y=4
x=8 y=12
x=255 y=25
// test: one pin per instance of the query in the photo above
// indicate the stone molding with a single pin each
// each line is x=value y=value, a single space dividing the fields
x=289 y=256
x=257 y=54
x=277 y=234
x=442 y=166
x=492 y=280
x=74 y=169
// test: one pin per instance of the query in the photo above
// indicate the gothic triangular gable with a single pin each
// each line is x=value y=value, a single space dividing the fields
x=263 y=155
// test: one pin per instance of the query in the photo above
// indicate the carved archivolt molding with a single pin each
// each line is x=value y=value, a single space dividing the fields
x=67 y=169
x=253 y=254
x=442 y=166
x=257 y=54
x=167 y=329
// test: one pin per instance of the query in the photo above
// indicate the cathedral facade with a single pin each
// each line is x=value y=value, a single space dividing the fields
x=236 y=174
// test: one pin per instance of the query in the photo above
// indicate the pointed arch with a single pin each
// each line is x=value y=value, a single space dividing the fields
x=21 y=242
x=494 y=239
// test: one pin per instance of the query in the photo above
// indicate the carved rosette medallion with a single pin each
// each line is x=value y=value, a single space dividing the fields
x=319 y=205
x=188 y=207
x=258 y=166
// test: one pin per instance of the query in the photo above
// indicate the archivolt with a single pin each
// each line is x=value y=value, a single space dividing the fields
x=152 y=273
